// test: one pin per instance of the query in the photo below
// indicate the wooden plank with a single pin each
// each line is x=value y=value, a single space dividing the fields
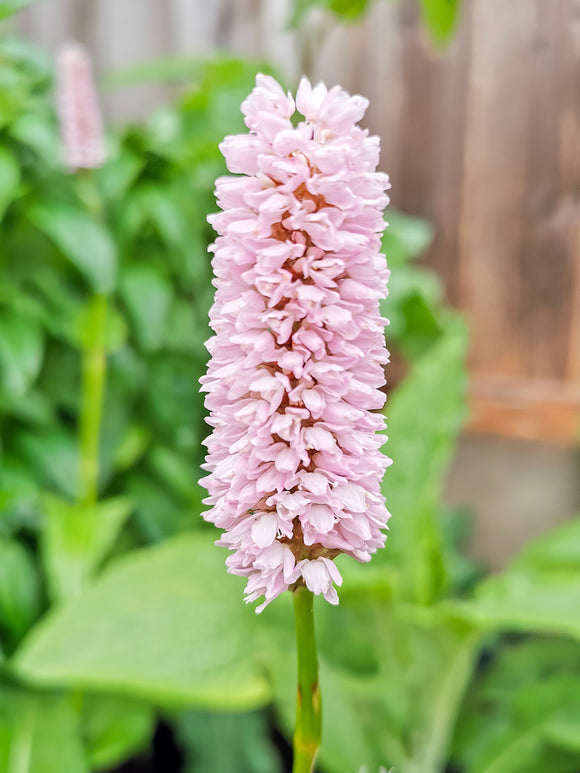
x=570 y=171
x=545 y=260
x=491 y=221
x=533 y=410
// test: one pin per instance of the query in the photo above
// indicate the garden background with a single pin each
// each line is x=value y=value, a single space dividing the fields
x=124 y=642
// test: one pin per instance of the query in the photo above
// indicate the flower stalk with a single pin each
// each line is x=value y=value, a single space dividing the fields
x=308 y=703
x=83 y=147
x=94 y=366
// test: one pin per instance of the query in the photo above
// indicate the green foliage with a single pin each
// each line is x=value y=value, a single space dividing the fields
x=86 y=243
x=19 y=591
x=114 y=728
x=9 y=7
x=76 y=538
x=539 y=591
x=524 y=710
x=413 y=484
x=238 y=743
x=37 y=731
x=176 y=596
x=439 y=16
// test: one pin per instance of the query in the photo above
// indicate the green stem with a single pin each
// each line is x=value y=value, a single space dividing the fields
x=20 y=752
x=94 y=364
x=308 y=704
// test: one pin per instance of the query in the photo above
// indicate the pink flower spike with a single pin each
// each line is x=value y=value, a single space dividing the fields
x=81 y=123
x=294 y=384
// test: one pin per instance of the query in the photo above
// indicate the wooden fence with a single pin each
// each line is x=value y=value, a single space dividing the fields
x=483 y=139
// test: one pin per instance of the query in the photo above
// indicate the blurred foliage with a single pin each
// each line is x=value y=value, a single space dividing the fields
x=100 y=629
x=439 y=16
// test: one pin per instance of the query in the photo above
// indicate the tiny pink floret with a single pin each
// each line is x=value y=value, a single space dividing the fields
x=81 y=123
x=297 y=359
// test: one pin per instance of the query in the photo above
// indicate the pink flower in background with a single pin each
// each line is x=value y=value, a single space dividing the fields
x=296 y=370
x=80 y=118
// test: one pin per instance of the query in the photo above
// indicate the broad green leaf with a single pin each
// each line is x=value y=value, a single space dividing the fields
x=84 y=241
x=115 y=728
x=21 y=352
x=236 y=743
x=10 y=7
x=39 y=732
x=147 y=295
x=167 y=624
x=75 y=540
x=430 y=398
x=539 y=591
x=19 y=590
x=9 y=176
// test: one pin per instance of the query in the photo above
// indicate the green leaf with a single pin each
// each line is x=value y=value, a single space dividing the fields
x=36 y=730
x=53 y=456
x=405 y=238
x=19 y=590
x=167 y=216
x=18 y=496
x=21 y=352
x=177 y=473
x=522 y=706
x=147 y=294
x=440 y=17
x=236 y=743
x=414 y=309
x=346 y=10
x=10 y=7
x=432 y=398
x=131 y=447
x=40 y=134
x=76 y=539
x=539 y=591
x=85 y=242
x=166 y=624
x=118 y=174
x=9 y=176
x=159 y=515
x=115 y=728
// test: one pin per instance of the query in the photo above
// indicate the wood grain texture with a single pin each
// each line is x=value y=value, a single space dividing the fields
x=482 y=138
